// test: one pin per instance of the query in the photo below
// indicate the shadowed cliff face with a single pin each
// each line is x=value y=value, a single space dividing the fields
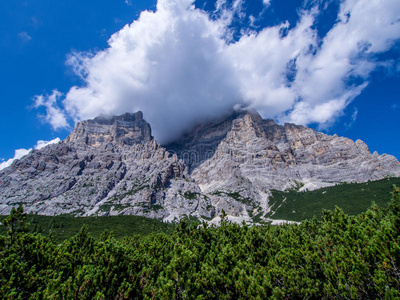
x=200 y=143
x=112 y=165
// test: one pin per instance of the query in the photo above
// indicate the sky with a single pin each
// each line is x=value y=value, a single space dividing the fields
x=331 y=65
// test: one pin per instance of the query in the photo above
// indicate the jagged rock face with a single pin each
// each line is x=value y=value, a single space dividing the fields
x=106 y=166
x=112 y=165
x=201 y=142
x=127 y=129
x=249 y=156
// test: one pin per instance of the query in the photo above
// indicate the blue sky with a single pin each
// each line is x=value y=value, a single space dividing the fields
x=331 y=65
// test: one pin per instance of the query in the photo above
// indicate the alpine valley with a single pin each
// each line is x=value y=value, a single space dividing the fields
x=113 y=166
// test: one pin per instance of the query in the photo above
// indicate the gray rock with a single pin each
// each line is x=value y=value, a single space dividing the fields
x=243 y=157
x=106 y=166
x=112 y=165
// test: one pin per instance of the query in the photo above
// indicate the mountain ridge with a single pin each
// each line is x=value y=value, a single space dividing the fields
x=112 y=165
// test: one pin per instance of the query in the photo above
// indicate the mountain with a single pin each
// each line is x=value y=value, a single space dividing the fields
x=105 y=166
x=112 y=165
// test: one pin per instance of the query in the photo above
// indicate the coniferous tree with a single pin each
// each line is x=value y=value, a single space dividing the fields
x=15 y=222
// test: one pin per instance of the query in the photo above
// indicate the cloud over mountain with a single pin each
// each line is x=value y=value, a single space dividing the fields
x=181 y=65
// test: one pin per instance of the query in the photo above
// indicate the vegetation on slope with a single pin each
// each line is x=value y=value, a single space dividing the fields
x=66 y=226
x=353 y=198
x=339 y=256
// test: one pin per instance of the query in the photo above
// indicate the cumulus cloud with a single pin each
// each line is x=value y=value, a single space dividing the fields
x=19 y=153
x=171 y=64
x=180 y=65
x=261 y=62
x=54 y=115
x=327 y=78
x=41 y=144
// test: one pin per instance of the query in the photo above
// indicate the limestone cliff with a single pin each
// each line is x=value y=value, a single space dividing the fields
x=106 y=166
x=238 y=160
x=112 y=165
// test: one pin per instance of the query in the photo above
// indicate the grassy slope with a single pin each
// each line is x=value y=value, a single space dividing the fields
x=353 y=198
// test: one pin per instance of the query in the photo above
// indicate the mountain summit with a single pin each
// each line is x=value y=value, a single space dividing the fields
x=112 y=165
x=127 y=129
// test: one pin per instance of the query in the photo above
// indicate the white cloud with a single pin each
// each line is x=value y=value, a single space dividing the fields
x=170 y=64
x=54 y=115
x=24 y=36
x=261 y=60
x=219 y=4
x=267 y=3
x=353 y=119
x=41 y=144
x=19 y=153
x=364 y=28
x=179 y=66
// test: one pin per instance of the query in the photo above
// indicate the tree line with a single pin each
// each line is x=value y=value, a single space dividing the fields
x=337 y=257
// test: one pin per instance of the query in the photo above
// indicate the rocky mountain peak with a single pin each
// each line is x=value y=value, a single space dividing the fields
x=201 y=142
x=112 y=165
x=127 y=129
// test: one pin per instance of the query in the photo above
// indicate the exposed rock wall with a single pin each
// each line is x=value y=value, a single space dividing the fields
x=106 y=166
x=112 y=165
x=248 y=156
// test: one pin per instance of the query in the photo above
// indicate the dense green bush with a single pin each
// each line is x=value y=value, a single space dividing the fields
x=62 y=227
x=339 y=256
